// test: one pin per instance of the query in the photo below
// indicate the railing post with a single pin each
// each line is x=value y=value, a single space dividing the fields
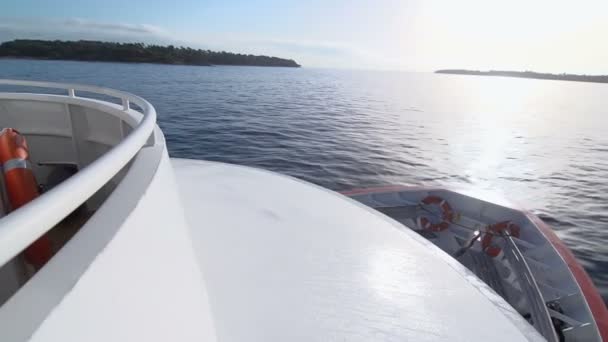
x=71 y=92
x=125 y=104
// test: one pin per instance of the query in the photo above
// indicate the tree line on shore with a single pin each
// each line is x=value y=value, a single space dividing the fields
x=87 y=50
x=528 y=74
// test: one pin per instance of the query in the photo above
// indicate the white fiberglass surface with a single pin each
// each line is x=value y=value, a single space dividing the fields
x=288 y=261
x=144 y=286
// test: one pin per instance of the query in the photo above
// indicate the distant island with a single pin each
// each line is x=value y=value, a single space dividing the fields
x=87 y=50
x=528 y=74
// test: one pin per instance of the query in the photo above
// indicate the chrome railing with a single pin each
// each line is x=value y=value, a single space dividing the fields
x=23 y=226
x=539 y=312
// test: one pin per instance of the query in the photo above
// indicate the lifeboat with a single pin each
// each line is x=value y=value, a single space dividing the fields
x=512 y=250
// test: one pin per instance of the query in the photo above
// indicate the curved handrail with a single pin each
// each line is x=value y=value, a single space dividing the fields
x=538 y=308
x=23 y=226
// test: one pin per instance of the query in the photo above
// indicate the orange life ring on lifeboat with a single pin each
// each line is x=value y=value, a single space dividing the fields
x=500 y=228
x=447 y=214
x=21 y=187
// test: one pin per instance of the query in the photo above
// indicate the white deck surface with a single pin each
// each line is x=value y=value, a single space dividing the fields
x=143 y=286
x=286 y=261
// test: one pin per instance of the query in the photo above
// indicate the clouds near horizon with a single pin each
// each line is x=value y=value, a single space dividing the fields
x=76 y=28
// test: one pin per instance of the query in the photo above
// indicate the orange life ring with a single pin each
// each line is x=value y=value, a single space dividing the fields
x=500 y=228
x=447 y=214
x=21 y=187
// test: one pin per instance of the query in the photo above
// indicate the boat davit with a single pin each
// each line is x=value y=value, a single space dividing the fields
x=105 y=237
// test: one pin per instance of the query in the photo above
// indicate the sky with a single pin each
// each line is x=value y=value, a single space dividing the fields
x=413 y=35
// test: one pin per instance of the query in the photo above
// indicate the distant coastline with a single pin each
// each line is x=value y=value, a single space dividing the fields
x=528 y=74
x=98 y=51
